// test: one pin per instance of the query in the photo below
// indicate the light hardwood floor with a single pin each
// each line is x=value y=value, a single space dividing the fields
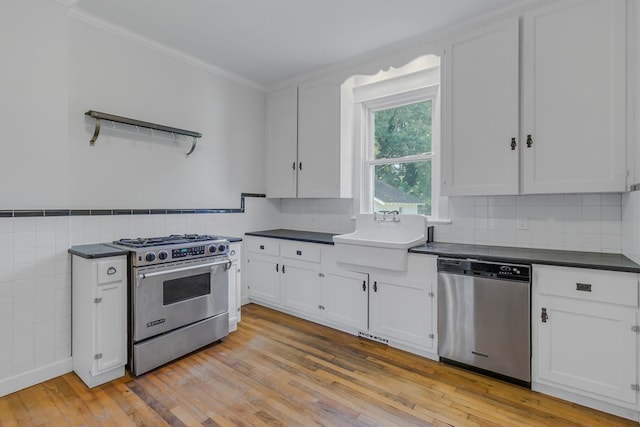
x=280 y=370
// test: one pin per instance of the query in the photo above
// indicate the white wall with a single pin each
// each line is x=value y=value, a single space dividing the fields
x=54 y=69
x=34 y=163
x=111 y=74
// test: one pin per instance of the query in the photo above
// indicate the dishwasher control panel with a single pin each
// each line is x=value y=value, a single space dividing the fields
x=472 y=267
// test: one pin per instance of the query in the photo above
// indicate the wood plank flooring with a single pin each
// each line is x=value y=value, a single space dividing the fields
x=277 y=370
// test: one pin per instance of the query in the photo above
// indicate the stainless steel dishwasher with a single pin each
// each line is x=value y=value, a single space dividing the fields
x=484 y=317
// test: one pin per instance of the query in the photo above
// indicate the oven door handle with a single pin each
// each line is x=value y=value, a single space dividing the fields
x=179 y=270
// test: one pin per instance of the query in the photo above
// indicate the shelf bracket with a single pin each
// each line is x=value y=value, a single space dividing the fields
x=138 y=123
x=193 y=146
x=96 y=133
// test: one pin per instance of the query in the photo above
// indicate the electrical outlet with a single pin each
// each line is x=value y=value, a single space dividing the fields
x=523 y=223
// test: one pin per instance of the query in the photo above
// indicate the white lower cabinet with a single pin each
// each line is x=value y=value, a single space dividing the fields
x=263 y=278
x=304 y=279
x=284 y=274
x=300 y=286
x=99 y=318
x=235 y=281
x=402 y=310
x=345 y=300
x=585 y=337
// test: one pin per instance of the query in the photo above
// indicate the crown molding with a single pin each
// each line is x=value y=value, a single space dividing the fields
x=148 y=43
x=403 y=51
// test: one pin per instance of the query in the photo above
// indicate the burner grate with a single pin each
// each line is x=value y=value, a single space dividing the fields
x=142 y=242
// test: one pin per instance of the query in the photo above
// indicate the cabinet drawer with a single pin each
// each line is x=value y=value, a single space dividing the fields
x=301 y=251
x=111 y=271
x=594 y=285
x=264 y=246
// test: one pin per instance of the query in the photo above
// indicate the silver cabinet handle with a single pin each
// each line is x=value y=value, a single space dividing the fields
x=111 y=271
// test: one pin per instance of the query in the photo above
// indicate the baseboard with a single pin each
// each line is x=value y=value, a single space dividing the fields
x=586 y=401
x=35 y=376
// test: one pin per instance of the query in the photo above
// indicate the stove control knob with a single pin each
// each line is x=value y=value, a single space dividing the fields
x=150 y=256
x=212 y=249
x=222 y=248
x=163 y=255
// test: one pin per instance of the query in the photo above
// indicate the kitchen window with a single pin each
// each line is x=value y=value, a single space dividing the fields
x=400 y=135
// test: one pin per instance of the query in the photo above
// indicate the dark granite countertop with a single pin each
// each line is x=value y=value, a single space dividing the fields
x=98 y=250
x=298 y=235
x=593 y=260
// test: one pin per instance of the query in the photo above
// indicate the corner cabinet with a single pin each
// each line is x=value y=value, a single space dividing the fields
x=305 y=157
x=99 y=318
x=572 y=107
x=585 y=337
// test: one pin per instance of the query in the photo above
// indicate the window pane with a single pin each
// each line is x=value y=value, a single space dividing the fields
x=403 y=131
x=405 y=187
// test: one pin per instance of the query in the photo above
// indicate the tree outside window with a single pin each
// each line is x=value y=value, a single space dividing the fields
x=401 y=161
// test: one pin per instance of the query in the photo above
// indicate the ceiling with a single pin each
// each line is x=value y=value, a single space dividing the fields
x=269 y=41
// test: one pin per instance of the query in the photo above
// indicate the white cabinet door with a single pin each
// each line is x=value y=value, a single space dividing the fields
x=300 y=283
x=401 y=309
x=263 y=278
x=345 y=299
x=319 y=140
x=111 y=326
x=574 y=97
x=587 y=347
x=282 y=141
x=481 y=104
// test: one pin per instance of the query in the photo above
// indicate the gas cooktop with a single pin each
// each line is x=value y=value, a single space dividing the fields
x=174 y=239
x=176 y=247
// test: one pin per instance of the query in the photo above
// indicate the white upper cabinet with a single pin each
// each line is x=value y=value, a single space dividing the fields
x=574 y=97
x=305 y=157
x=319 y=140
x=568 y=96
x=282 y=143
x=480 y=89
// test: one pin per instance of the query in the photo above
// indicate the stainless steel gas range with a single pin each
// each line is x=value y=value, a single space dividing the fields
x=178 y=296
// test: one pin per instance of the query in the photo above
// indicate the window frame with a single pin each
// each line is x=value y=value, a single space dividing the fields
x=397 y=92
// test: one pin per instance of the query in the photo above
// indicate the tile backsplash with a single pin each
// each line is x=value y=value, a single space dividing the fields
x=580 y=222
x=35 y=273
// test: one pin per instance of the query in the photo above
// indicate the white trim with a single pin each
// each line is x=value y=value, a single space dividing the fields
x=413 y=83
x=401 y=90
x=396 y=54
x=589 y=402
x=139 y=39
x=35 y=376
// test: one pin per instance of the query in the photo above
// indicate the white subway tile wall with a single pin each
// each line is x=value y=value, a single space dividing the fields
x=35 y=271
x=322 y=215
x=581 y=222
x=589 y=222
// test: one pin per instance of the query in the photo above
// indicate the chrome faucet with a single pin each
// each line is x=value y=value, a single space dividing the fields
x=386 y=216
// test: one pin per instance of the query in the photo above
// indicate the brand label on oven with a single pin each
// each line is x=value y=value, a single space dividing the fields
x=155 y=322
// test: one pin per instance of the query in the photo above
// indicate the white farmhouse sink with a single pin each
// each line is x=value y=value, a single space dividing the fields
x=381 y=243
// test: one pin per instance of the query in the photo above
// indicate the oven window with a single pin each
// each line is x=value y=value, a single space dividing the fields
x=185 y=288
